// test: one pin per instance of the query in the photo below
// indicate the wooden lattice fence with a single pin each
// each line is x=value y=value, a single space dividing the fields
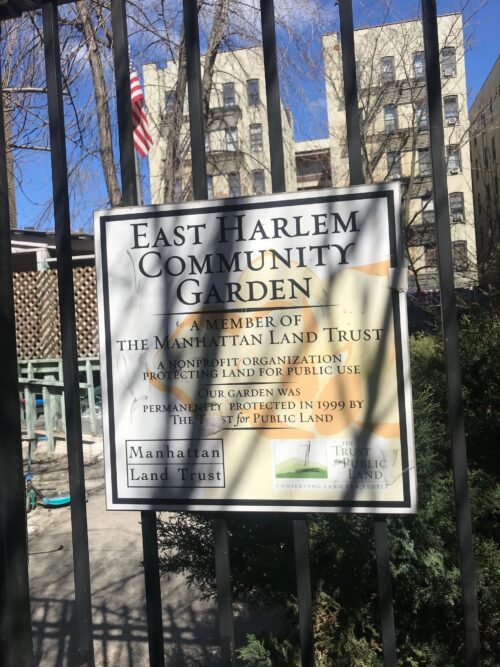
x=36 y=298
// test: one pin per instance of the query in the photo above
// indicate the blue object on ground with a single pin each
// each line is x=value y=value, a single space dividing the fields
x=58 y=501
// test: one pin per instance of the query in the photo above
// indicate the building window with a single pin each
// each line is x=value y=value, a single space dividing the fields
x=431 y=256
x=207 y=142
x=233 y=181
x=210 y=187
x=231 y=139
x=428 y=218
x=459 y=250
x=457 y=206
x=387 y=71
x=259 y=183
x=256 y=137
x=422 y=115
x=177 y=190
x=451 y=109
x=170 y=101
x=448 y=62
x=391 y=117
x=419 y=65
x=393 y=165
x=228 y=95
x=454 y=159
x=253 y=92
x=424 y=162
x=493 y=149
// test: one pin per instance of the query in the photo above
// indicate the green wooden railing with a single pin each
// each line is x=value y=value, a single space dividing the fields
x=43 y=377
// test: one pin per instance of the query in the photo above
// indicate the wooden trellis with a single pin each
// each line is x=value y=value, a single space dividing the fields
x=36 y=299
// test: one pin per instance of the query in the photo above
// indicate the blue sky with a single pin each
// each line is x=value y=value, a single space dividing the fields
x=482 y=23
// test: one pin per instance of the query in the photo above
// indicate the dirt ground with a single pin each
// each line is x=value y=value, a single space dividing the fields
x=117 y=581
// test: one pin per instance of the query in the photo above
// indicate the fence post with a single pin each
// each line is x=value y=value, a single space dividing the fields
x=15 y=618
x=199 y=169
x=129 y=198
x=300 y=529
x=81 y=566
x=356 y=175
x=450 y=335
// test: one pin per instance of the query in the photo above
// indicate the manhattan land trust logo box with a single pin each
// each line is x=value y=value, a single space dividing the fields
x=254 y=354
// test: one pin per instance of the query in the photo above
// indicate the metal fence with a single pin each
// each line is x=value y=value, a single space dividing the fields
x=15 y=621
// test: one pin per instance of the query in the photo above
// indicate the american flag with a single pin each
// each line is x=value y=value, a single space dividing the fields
x=142 y=138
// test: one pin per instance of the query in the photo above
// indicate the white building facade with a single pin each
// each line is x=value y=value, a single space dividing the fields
x=395 y=134
x=236 y=133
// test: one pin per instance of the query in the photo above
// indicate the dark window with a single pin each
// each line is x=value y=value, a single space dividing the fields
x=457 y=206
x=431 y=256
x=259 y=183
x=448 y=61
x=393 y=165
x=419 y=65
x=460 y=261
x=253 y=92
x=424 y=162
x=228 y=95
x=231 y=138
x=454 y=159
x=233 y=181
x=256 y=137
x=210 y=186
x=428 y=217
x=451 y=109
x=422 y=114
x=391 y=117
x=169 y=101
x=387 y=71
x=493 y=149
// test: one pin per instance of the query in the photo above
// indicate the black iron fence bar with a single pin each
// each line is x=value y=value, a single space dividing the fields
x=384 y=587
x=300 y=529
x=130 y=198
x=350 y=93
x=81 y=569
x=224 y=593
x=384 y=583
x=195 y=99
x=15 y=618
x=450 y=335
x=273 y=96
x=304 y=594
x=200 y=191
x=123 y=103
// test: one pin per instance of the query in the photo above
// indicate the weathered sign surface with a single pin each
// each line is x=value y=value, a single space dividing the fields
x=254 y=354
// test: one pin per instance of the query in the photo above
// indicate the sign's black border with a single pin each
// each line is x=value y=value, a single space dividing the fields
x=298 y=507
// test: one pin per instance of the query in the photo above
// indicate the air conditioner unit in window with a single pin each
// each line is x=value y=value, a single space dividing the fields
x=451 y=121
x=457 y=217
x=448 y=71
x=454 y=170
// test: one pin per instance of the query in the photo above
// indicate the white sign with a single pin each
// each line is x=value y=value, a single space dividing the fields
x=254 y=354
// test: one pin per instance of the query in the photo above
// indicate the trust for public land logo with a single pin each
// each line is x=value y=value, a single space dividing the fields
x=299 y=459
